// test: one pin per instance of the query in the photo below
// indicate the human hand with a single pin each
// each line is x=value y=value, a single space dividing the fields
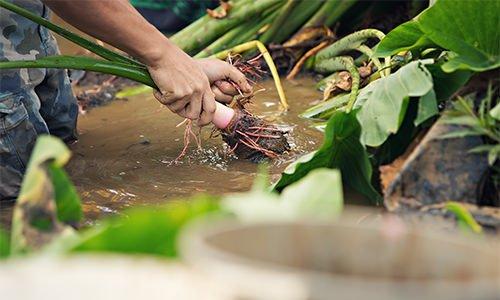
x=219 y=73
x=183 y=85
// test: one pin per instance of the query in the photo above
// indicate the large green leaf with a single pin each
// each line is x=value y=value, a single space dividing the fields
x=145 y=230
x=468 y=28
x=446 y=84
x=382 y=101
x=407 y=36
x=317 y=195
x=46 y=198
x=342 y=150
x=427 y=107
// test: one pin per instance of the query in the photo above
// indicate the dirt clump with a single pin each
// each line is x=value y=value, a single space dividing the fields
x=252 y=138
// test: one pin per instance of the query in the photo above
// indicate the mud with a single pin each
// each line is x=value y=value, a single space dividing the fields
x=254 y=139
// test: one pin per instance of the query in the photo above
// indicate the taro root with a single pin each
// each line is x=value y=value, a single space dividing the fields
x=250 y=137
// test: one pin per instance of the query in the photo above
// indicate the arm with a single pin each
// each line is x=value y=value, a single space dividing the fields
x=183 y=82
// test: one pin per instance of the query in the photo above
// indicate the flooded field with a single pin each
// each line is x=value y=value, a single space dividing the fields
x=127 y=149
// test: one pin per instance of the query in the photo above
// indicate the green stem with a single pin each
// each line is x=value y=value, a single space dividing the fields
x=348 y=43
x=135 y=73
x=342 y=63
x=278 y=22
x=329 y=13
x=93 y=47
x=300 y=14
x=214 y=28
x=241 y=34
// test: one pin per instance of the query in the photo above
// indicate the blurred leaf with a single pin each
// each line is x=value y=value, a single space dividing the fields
x=342 y=150
x=460 y=134
x=492 y=150
x=381 y=102
x=133 y=91
x=495 y=112
x=151 y=230
x=427 y=107
x=35 y=220
x=464 y=217
x=317 y=195
x=69 y=208
x=4 y=244
x=406 y=37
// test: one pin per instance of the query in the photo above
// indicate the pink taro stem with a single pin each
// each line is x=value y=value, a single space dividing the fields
x=222 y=116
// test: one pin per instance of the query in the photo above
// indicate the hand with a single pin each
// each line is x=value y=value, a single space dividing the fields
x=183 y=85
x=219 y=73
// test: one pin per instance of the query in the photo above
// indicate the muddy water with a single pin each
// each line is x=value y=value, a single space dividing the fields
x=127 y=149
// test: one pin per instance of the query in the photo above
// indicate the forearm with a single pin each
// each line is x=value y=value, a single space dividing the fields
x=115 y=22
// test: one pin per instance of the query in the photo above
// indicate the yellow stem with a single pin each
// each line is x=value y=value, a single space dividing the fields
x=267 y=57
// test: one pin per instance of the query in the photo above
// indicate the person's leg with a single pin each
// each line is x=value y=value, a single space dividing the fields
x=58 y=107
x=20 y=118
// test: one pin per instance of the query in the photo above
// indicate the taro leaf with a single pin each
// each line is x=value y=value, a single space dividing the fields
x=317 y=195
x=145 y=230
x=342 y=150
x=382 y=101
x=4 y=244
x=35 y=219
x=446 y=84
x=427 y=107
x=468 y=28
x=406 y=37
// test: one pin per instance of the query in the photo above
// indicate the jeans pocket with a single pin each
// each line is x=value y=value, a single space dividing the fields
x=17 y=133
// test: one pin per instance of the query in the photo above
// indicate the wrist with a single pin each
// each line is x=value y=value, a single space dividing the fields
x=154 y=55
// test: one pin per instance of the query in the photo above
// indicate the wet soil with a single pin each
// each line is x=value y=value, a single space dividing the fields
x=127 y=150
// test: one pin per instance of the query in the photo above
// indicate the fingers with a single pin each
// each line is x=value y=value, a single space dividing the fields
x=226 y=87
x=238 y=77
x=221 y=96
x=208 y=111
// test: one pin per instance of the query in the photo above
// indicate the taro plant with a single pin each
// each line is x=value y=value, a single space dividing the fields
x=431 y=57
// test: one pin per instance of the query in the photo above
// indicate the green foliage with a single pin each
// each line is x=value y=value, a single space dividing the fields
x=145 y=230
x=484 y=123
x=46 y=166
x=406 y=37
x=46 y=199
x=341 y=149
x=467 y=28
x=464 y=218
x=325 y=109
x=427 y=107
x=381 y=103
x=4 y=244
x=317 y=195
